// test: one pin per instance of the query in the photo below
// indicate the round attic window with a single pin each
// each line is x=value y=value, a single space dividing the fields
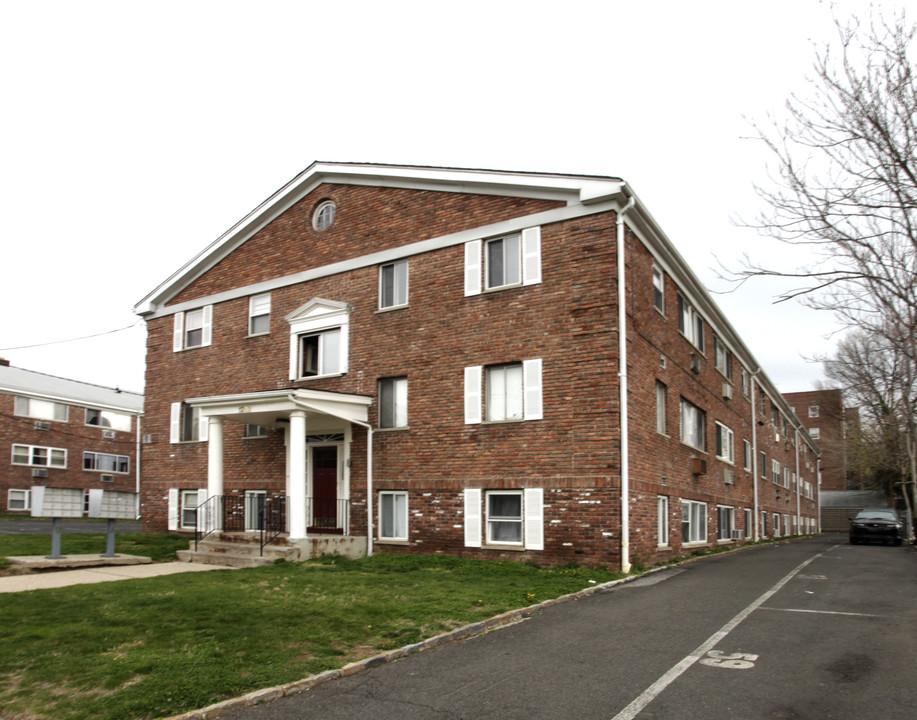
x=323 y=216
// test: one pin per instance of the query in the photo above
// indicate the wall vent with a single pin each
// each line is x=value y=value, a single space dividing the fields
x=108 y=434
x=729 y=476
x=698 y=466
x=39 y=473
x=695 y=364
x=107 y=478
x=148 y=439
x=738 y=534
x=727 y=391
x=42 y=425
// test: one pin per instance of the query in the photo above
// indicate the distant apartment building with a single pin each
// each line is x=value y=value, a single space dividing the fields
x=65 y=434
x=823 y=414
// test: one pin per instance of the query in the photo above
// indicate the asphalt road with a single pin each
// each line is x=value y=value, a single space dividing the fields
x=809 y=629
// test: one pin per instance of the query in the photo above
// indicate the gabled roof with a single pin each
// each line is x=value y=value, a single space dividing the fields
x=17 y=381
x=571 y=189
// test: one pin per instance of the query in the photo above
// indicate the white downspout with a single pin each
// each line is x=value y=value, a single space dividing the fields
x=622 y=388
x=754 y=451
x=369 y=475
x=798 y=486
x=137 y=468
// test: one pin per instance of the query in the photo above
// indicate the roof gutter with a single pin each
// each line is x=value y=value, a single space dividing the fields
x=622 y=385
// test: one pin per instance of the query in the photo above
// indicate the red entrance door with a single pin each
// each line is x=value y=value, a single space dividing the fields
x=325 y=490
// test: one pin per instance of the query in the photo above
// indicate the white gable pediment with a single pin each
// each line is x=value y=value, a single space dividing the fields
x=318 y=309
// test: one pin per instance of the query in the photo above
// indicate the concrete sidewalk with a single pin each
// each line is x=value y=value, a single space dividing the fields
x=108 y=573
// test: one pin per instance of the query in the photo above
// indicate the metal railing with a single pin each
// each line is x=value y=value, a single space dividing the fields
x=328 y=516
x=272 y=519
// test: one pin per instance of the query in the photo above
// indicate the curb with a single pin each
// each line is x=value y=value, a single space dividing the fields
x=482 y=627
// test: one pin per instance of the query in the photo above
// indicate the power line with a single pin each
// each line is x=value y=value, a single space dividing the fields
x=84 y=337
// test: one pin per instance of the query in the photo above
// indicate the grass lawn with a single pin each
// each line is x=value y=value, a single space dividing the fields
x=161 y=646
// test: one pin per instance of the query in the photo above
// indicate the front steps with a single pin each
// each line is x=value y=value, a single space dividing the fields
x=238 y=550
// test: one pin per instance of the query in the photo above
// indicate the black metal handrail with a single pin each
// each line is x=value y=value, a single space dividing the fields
x=272 y=519
x=207 y=518
x=324 y=515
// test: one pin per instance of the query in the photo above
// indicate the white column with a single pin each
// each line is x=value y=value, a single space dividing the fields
x=215 y=465
x=297 y=492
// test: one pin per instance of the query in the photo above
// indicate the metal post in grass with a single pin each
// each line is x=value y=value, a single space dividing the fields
x=110 y=540
x=55 y=539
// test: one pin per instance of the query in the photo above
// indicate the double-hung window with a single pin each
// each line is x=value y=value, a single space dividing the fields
x=725 y=443
x=658 y=289
x=814 y=411
x=108 y=419
x=510 y=517
x=722 y=358
x=775 y=472
x=186 y=424
x=319 y=339
x=506 y=261
x=693 y=522
x=393 y=285
x=764 y=464
x=39 y=456
x=693 y=425
x=259 y=314
x=41 y=409
x=192 y=329
x=815 y=433
x=393 y=515
x=320 y=353
x=19 y=500
x=690 y=323
x=748 y=455
x=725 y=522
x=106 y=462
x=504 y=517
x=189 y=503
x=393 y=403
x=511 y=392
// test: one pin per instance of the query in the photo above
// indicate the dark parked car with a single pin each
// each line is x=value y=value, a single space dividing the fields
x=876 y=524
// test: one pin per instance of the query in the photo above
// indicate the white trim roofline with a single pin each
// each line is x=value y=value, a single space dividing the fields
x=570 y=189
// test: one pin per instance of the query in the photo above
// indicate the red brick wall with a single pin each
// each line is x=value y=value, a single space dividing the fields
x=569 y=320
x=75 y=437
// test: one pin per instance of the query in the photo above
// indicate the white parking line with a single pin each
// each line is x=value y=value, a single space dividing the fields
x=823 y=612
x=648 y=695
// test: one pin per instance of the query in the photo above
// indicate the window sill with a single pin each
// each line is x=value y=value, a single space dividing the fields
x=392 y=429
x=485 y=291
x=255 y=335
x=319 y=377
x=386 y=541
x=382 y=310
x=502 y=422
x=498 y=546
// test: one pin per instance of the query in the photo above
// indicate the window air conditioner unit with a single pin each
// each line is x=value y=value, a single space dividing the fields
x=107 y=478
x=727 y=391
x=42 y=425
x=695 y=364
x=698 y=466
x=39 y=473
x=729 y=476
x=738 y=534
x=108 y=434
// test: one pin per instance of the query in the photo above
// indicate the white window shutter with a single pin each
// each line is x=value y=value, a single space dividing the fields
x=473 y=268
x=531 y=256
x=178 y=331
x=534 y=518
x=203 y=429
x=175 y=423
x=531 y=383
x=472 y=517
x=207 y=329
x=173 y=509
x=473 y=394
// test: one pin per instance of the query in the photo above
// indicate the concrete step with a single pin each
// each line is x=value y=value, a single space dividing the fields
x=237 y=552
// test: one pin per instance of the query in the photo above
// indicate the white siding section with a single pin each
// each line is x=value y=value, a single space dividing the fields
x=472 y=268
x=531 y=256
x=472 y=517
x=173 y=509
x=531 y=383
x=175 y=423
x=178 y=331
x=534 y=518
x=473 y=394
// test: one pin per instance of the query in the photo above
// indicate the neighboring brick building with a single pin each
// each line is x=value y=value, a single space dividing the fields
x=429 y=360
x=823 y=414
x=65 y=434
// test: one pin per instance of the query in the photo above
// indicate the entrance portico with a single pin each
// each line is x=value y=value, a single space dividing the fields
x=303 y=414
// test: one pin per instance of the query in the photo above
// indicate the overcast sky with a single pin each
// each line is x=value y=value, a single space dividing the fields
x=135 y=133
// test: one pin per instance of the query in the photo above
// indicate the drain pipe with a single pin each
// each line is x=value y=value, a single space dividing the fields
x=754 y=451
x=369 y=473
x=622 y=387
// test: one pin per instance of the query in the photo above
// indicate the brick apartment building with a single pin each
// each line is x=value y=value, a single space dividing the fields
x=823 y=414
x=435 y=360
x=65 y=434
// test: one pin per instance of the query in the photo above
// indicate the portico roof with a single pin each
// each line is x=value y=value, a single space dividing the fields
x=273 y=406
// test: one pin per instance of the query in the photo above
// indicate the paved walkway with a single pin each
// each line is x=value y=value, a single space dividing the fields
x=63 y=578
